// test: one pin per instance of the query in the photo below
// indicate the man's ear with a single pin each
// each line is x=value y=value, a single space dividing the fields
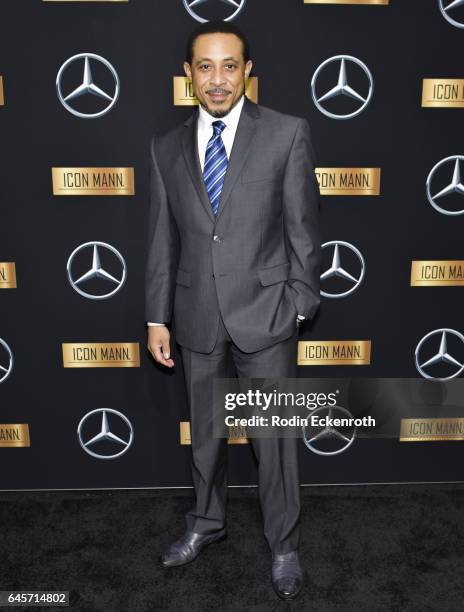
x=187 y=70
x=248 y=67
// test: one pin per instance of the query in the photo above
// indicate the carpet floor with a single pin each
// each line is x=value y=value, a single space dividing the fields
x=364 y=548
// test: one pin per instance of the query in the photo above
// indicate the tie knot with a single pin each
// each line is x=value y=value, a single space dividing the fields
x=218 y=126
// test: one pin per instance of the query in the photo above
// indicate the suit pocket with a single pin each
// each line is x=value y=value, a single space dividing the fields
x=183 y=278
x=275 y=274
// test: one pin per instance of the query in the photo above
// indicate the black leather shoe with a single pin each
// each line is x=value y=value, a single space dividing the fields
x=287 y=575
x=187 y=548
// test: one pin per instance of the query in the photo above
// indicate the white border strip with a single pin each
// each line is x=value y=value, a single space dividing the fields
x=329 y=484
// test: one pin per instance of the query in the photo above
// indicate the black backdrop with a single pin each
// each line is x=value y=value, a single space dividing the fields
x=144 y=39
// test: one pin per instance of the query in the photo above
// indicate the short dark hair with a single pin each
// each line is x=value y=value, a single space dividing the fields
x=216 y=27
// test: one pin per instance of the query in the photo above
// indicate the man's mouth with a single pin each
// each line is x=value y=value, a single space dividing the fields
x=217 y=95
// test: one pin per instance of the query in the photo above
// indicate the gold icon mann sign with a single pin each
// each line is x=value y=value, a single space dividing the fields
x=184 y=96
x=101 y=354
x=378 y=2
x=334 y=352
x=443 y=93
x=93 y=181
x=349 y=181
x=435 y=273
x=7 y=275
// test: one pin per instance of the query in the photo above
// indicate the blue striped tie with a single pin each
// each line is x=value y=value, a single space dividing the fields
x=215 y=165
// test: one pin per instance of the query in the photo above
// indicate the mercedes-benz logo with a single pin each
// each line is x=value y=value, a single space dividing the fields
x=448 y=10
x=105 y=438
x=88 y=88
x=342 y=88
x=454 y=187
x=226 y=10
x=328 y=440
x=96 y=270
x=6 y=360
x=336 y=270
x=442 y=356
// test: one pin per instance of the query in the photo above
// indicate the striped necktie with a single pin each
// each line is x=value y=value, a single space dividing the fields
x=215 y=165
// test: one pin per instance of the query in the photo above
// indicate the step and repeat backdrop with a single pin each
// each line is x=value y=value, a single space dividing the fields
x=83 y=86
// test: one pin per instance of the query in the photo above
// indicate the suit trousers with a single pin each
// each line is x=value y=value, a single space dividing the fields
x=278 y=470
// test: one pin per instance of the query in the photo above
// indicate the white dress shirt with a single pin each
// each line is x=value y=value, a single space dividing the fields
x=205 y=129
x=205 y=132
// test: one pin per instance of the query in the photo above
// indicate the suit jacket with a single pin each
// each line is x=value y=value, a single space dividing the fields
x=259 y=258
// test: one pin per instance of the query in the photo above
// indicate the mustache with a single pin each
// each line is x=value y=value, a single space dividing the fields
x=217 y=90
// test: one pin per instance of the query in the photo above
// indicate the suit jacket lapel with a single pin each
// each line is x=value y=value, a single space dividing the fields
x=190 y=151
x=243 y=138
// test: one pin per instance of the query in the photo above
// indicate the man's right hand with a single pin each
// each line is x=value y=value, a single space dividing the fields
x=158 y=344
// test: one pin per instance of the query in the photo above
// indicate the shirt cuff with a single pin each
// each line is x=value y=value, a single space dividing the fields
x=150 y=324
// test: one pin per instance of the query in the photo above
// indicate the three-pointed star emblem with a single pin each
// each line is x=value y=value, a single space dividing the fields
x=442 y=356
x=6 y=360
x=336 y=269
x=87 y=87
x=211 y=9
x=96 y=270
x=438 y=199
x=105 y=434
x=448 y=10
x=340 y=440
x=342 y=86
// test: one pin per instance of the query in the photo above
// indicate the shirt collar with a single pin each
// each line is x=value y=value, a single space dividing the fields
x=231 y=119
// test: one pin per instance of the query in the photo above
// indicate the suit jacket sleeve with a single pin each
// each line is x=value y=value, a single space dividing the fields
x=163 y=248
x=301 y=218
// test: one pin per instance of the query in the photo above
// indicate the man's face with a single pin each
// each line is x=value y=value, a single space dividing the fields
x=218 y=72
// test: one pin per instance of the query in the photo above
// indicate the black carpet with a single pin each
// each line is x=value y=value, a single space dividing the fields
x=364 y=548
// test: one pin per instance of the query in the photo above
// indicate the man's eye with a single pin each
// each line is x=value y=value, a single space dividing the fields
x=230 y=66
x=204 y=66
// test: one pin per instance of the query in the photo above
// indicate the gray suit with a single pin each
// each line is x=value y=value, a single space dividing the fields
x=233 y=285
x=261 y=255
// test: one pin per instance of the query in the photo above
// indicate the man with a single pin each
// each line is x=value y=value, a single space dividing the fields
x=234 y=262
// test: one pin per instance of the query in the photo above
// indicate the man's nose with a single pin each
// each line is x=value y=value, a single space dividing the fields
x=217 y=78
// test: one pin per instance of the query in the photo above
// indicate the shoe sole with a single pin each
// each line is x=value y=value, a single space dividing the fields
x=218 y=539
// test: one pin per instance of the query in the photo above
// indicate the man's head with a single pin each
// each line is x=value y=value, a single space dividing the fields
x=218 y=64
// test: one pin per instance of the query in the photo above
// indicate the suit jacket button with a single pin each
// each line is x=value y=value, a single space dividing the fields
x=212 y=275
x=216 y=238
